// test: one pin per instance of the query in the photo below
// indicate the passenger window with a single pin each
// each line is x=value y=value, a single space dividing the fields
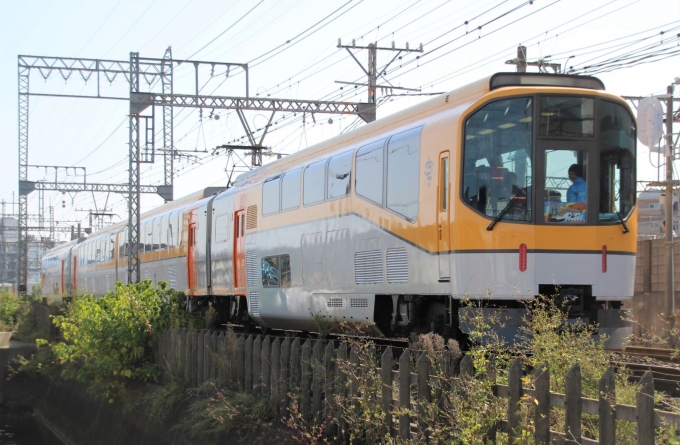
x=270 y=271
x=156 y=233
x=566 y=190
x=148 y=236
x=314 y=183
x=222 y=229
x=178 y=229
x=497 y=159
x=617 y=162
x=271 y=194
x=563 y=116
x=403 y=173
x=369 y=172
x=339 y=172
x=290 y=190
x=276 y=271
x=164 y=232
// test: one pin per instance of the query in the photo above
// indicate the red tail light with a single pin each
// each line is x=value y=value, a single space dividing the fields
x=522 y=257
x=604 y=258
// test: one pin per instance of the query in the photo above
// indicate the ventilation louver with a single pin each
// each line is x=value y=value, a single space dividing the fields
x=251 y=217
x=368 y=267
x=397 y=265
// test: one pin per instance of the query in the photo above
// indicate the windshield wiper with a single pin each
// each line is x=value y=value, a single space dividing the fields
x=625 y=228
x=507 y=208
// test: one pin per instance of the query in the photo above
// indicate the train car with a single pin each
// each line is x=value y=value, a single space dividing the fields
x=57 y=278
x=94 y=264
x=516 y=185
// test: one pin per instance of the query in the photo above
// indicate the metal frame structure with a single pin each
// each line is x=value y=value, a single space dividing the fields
x=154 y=71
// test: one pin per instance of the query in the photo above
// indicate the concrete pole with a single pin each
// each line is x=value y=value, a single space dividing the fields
x=521 y=59
x=670 y=275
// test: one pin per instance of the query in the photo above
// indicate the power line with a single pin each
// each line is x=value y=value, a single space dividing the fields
x=225 y=31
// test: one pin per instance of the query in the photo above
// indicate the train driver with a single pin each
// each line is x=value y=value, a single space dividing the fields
x=576 y=191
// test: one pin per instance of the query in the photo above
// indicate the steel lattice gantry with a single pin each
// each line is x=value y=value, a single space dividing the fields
x=154 y=71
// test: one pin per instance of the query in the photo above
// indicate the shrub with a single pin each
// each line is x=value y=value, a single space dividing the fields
x=10 y=308
x=109 y=341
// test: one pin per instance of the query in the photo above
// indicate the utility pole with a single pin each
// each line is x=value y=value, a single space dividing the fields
x=668 y=238
x=521 y=62
x=368 y=112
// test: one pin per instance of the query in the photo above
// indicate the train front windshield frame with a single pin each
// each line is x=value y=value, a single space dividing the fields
x=514 y=148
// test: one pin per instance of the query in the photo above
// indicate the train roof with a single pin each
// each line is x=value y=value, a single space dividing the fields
x=477 y=88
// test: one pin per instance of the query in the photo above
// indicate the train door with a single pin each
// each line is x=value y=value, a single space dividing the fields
x=191 y=257
x=240 y=251
x=443 y=217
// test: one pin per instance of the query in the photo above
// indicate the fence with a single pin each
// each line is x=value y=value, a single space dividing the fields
x=274 y=367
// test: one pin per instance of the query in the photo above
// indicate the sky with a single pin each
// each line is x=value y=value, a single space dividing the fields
x=291 y=50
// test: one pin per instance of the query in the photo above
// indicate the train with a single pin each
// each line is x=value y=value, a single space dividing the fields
x=515 y=185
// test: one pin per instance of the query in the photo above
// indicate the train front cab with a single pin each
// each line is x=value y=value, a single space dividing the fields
x=546 y=203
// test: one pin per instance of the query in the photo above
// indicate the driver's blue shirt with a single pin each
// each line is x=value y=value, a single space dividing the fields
x=577 y=191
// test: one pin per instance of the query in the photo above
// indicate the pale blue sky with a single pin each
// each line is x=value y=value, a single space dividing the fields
x=93 y=133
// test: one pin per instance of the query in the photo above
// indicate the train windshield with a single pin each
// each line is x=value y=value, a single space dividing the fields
x=497 y=160
x=570 y=158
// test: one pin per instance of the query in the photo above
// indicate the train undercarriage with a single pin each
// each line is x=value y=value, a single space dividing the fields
x=398 y=316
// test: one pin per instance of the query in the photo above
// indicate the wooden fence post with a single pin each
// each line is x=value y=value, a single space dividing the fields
x=467 y=368
x=207 y=356
x=222 y=348
x=240 y=362
x=341 y=389
x=572 y=415
x=644 y=404
x=423 y=388
x=257 y=365
x=386 y=377
x=248 y=365
x=329 y=385
x=173 y=352
x=276 y=375
x=306 y=377
x=214 y=362
x=607 y=410
x=266 y=367
x=515 y=393
x=284 y=385
x=354 y=372
x=491 y=374
x=200 y=352
x=405 y=394
x=194 y=358
x=295 y=367
x=542 y=408
x=186 y=356
x=317 y=369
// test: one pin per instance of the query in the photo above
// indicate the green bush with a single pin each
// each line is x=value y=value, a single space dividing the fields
x=10 y=308
x=109 y=342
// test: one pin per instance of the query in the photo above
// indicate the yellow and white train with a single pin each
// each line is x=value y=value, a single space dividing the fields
x=499 y=190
